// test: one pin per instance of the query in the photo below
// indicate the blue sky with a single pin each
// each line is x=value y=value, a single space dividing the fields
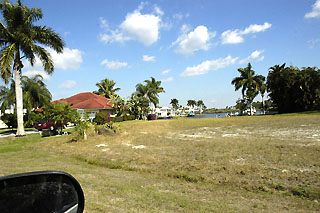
x=194 y=47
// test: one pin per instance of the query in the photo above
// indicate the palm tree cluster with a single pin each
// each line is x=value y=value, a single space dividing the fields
x=292 y=89
x=250 y=84
x=20 y=38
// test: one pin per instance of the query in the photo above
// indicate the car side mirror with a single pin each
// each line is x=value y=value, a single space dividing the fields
x=48 y=191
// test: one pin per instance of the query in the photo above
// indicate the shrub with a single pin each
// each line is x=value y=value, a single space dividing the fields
x=101 y=118
x=152 y=117
x=10 y=120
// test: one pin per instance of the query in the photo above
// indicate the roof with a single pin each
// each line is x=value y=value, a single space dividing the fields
x=87 y=100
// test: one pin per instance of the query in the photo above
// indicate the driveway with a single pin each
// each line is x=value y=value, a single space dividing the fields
x=14 y=133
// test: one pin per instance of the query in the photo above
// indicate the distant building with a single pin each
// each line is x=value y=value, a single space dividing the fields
x=89 y=102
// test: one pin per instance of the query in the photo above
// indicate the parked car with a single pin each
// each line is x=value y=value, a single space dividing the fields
x=50 y=125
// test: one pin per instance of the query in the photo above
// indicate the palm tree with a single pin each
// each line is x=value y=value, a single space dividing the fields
x=106 y=88
x=200 y=104
x=154 y=90
x=150 y=90
x=175 y=103
x=191 y=103
x=262 y=90
x=249 y=82
x=20 y=38
x=7 y=96
x=35 y=92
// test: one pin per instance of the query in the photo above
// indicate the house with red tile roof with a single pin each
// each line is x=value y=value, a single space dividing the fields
x=90 y=102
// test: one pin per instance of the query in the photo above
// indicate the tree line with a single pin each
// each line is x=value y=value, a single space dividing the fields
x=289 y=88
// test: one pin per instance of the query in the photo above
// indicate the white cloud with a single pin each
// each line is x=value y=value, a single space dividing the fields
x=165 y=72
x=236 y=36
x=315 y=12
x=254 y=56
x=68 y=84
x=113 y=65
x=199 y=39
x=31 y=73
x=256 y=28
x=208 y=66
x=231 y=37
x=70 y=59
x=170 y=79
x=149 y=58
x=136 y=26
x=158 y=10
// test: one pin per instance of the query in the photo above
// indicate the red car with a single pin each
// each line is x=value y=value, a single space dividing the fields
x=48 y=124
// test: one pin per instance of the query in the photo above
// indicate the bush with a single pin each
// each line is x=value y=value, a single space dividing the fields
x=101 y=118
x=10 y=120
x=152 y=117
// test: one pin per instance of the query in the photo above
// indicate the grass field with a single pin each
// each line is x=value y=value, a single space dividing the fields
x=238 y=164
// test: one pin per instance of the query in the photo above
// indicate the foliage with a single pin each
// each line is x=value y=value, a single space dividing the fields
x=150 y=90
x=35 y=93
x=101 y=118
x=106 y=88
x=10 y=120
x=118 y=104
x=201 y=104
x=174 y=103
x=292 y=89
x=31 y=118
x=60 y=111
x=250 y=83
x=20 y=38
x=138 y=105
x=82 y=125
x=242 y=105
x=191 y=103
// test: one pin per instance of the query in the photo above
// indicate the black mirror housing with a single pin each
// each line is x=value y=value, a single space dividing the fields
x=46 y=191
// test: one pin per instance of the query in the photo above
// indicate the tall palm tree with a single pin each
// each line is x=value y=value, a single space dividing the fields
x=20 y=38
x=262 y=90
x=106 y=88
x=154 y=90
x=150 y=90
x=175 y=103
x=249 y=82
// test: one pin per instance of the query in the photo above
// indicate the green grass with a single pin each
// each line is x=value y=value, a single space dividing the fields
x=247 y=164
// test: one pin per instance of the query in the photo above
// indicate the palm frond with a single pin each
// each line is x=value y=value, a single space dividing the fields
x=6 y=59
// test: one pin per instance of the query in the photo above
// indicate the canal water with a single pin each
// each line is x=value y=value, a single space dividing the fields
x=211 y=115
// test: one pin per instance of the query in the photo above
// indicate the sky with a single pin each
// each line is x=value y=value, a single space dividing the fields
x=193 y=47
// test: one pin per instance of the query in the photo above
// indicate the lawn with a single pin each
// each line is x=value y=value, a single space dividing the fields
x=246 y=164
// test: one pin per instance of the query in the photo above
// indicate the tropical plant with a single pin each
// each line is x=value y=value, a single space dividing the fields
x=262 y=90
x=292 y=89
x=138 y=105
x=150 y=90
x=249 y=83
x=60 y=111
x=101 y=118
x=35 y=93
x=20 y=38
x=174 y=103
x=106 y=88
x=201 y=104
x=118 y=104
x=191 y=103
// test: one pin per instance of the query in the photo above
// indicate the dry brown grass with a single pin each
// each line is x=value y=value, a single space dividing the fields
x=268 y=163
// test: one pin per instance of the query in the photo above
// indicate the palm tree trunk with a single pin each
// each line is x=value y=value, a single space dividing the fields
x=19 y=100
x=263 y=105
